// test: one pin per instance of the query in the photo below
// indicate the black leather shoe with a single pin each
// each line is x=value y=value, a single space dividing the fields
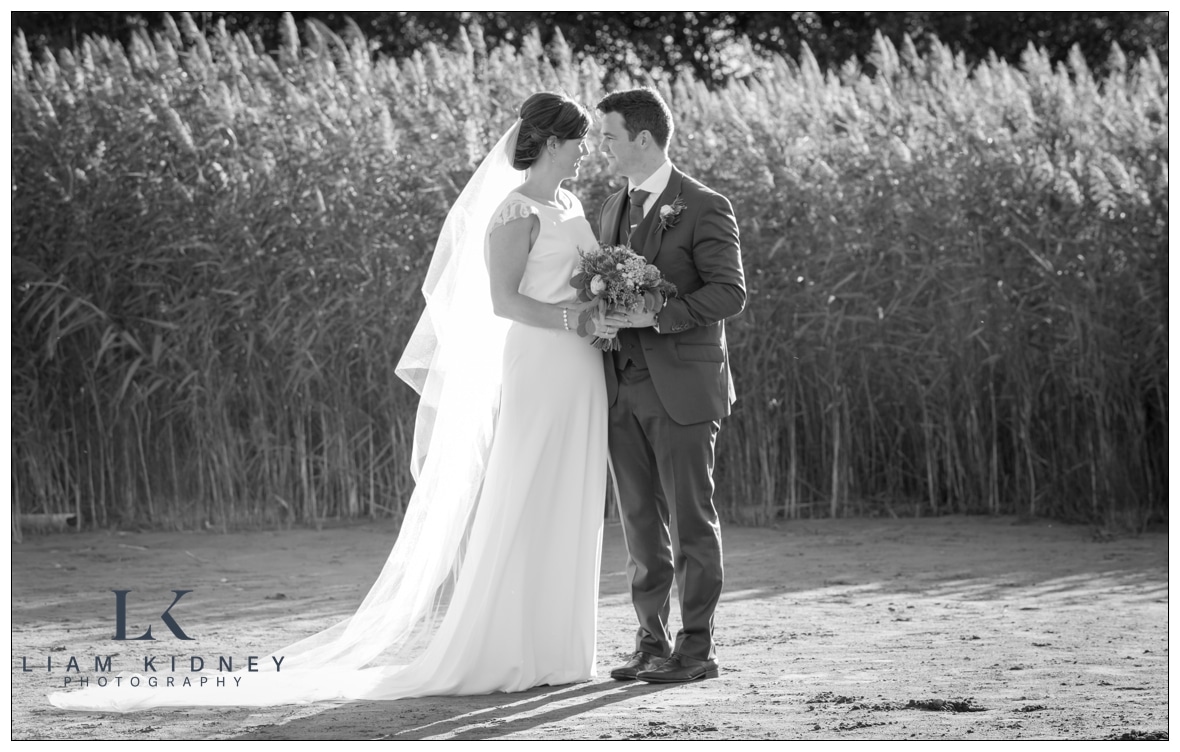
x=640 y=661
x=680 y=668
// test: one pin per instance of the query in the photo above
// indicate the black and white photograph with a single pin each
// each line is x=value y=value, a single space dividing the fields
x=589 y=375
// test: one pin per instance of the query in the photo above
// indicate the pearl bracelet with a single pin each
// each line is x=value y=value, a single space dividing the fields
x=565 y=318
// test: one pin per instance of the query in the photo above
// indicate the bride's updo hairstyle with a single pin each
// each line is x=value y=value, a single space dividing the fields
x=543 y=115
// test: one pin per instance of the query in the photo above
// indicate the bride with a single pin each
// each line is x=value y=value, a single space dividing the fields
x=492 y=585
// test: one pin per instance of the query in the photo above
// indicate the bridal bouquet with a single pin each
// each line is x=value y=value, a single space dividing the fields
x=614 y=277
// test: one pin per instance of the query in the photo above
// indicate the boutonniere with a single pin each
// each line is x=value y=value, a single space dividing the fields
x=669 y=212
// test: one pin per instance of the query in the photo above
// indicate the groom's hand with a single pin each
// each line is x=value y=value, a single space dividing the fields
x=639 y=319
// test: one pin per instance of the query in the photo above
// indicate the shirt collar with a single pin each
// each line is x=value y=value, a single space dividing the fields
x=657 y=181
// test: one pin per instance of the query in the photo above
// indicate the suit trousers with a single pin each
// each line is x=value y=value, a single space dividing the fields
x=665 y=477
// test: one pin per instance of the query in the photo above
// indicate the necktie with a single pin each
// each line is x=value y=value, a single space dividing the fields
x=637 y=198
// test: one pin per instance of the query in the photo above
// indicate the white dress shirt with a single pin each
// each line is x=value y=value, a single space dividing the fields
x=655 y=185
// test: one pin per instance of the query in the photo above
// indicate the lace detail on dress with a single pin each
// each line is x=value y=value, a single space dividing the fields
x=513 y=210
x=573 y=201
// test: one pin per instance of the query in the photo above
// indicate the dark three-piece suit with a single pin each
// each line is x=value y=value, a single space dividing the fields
x=668 y=387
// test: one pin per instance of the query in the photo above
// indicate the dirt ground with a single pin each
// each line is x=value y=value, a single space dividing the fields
x=947 y=628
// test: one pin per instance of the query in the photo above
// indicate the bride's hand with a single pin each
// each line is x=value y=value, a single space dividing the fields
x=609 y=324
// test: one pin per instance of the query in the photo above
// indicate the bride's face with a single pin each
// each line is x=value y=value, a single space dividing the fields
x=569 y=155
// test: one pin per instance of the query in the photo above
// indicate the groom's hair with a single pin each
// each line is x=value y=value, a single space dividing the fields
x=642 y=109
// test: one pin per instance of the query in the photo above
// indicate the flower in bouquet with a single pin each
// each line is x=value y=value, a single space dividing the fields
x=616 y=278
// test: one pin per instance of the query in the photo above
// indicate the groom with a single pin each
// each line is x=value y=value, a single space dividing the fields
x=669 y=386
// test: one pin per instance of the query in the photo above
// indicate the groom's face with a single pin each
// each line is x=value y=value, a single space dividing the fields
x=621 y=152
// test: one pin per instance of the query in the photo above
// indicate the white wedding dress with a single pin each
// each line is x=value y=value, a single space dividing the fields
x=521 y=602
x=526 y=614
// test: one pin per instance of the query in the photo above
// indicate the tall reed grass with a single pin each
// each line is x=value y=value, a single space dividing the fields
x=957 y=276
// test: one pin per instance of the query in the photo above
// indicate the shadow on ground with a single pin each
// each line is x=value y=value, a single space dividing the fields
x=485 y=717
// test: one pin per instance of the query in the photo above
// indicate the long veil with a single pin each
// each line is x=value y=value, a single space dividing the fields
x=453 y=360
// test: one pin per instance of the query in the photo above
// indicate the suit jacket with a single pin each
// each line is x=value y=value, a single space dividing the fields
x=699 y=252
